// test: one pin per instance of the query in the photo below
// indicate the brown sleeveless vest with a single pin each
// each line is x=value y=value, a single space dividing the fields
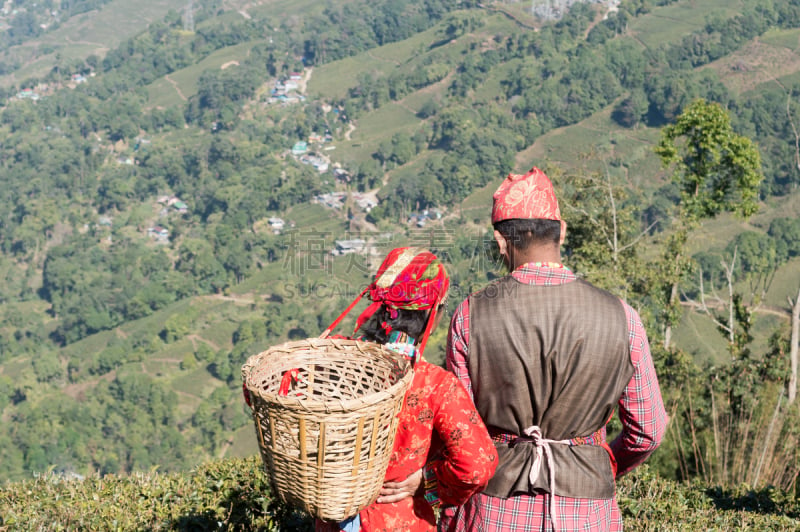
x=553 y=356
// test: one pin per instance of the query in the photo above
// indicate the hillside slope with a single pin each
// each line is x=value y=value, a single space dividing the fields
x=172 y=204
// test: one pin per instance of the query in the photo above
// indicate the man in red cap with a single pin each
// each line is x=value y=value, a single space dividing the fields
x=547 y=358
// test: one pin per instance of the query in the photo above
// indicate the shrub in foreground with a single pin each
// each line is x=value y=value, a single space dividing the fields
x=234 y=494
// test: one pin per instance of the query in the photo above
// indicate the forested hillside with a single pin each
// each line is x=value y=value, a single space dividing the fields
x=225 y=178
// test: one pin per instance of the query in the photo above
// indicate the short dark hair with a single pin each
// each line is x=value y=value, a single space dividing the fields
x=523 y=233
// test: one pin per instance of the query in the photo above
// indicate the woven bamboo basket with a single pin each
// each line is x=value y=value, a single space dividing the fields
x=326 y=444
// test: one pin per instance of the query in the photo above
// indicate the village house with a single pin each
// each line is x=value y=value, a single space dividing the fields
x=332 y=200
x=160 y=234
x=28 y=94
x=173 y=201
x=141 y=143
x=365 y=202
x=299 y=148
x=286 y=91
x=346 y=247
x=320 y=163
x=276 y=224
x=341 y=174
x=420 y=219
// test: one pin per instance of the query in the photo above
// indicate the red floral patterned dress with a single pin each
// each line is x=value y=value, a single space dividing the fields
x=437 y=419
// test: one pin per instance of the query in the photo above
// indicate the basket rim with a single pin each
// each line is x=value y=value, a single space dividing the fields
x=332 y=405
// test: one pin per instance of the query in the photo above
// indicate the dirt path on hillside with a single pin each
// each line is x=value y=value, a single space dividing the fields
x=775 y=311
x=701 y=337
x=76 y=390
x=224 y=448
x=376 y=58
x=302 y=85
x=602 y=15
x=100 y=47
x=248 y=299
x=718 y=306
x=405 y=106
x=194 y=338
x=433 y=88
x=176 y=87
x=509 y=15
x=635 y=37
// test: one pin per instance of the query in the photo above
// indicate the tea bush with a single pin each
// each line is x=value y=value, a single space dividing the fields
x=233 y=494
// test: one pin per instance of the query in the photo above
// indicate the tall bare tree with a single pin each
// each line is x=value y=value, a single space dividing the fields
x=793 y=351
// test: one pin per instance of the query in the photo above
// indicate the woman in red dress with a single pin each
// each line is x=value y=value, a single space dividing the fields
x=442 y=452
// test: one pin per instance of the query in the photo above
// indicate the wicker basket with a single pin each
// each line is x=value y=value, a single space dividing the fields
x=326 y=444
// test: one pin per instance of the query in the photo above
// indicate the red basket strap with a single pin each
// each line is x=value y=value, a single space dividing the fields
x=289 y=377
x=333 y=325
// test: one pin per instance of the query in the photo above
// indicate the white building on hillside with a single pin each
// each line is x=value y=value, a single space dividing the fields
x=555 y=9
x=345 y=247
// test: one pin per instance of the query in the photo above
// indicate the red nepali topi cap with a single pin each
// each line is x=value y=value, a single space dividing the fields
x=529 y=196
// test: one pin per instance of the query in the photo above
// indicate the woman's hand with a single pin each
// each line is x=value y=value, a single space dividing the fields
x=397 y=491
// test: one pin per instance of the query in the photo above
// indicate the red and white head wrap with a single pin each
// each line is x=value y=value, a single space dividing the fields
x=528 y=196
x=407 y=279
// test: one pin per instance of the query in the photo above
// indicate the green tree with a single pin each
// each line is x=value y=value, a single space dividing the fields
x=632 y=110
x=786 y=232
x=758 y=259
x=716 y=170
x=177 y=326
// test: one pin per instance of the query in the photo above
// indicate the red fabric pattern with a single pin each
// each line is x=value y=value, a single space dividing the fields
x=527 y=196
x=641 y=411
x=437 y=415
x=409 y=279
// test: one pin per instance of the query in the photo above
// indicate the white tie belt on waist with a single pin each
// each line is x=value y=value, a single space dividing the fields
x=533 y=434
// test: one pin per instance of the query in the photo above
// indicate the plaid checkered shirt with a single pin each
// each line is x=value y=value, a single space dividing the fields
x=641 y=412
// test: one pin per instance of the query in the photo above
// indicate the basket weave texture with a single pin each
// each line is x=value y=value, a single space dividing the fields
x=326 y=444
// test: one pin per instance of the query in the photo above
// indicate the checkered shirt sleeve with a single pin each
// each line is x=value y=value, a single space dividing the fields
x=641 y=408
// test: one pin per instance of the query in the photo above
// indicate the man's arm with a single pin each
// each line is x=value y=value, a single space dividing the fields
x=641 y=408
x=458 y=346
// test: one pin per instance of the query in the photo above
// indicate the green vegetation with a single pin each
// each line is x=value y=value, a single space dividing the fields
x=121 y=345
x=234 y=495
